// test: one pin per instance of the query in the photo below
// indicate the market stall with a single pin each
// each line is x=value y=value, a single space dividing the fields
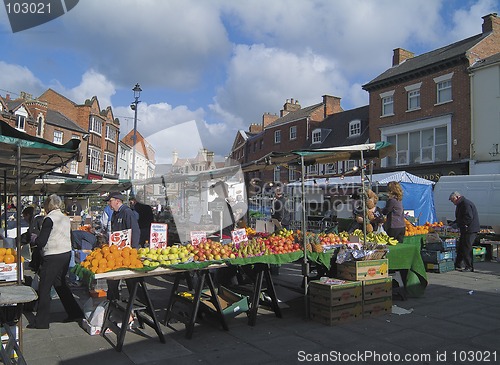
x=24 y=158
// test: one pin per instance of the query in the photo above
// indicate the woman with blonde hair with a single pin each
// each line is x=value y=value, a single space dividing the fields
x=54 y=242
x=395 y=224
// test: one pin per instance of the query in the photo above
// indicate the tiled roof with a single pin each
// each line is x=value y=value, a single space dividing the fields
x=486 y=61
x=338 y=124
x=295 y=115
x=60 y=120
x=454 y=50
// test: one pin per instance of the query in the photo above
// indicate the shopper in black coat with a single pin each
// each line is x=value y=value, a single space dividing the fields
x=467 y=221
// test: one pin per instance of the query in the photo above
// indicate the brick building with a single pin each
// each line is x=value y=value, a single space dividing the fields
x=422 y=104
x=289 y=131
x=100 y=154
x=35 y=118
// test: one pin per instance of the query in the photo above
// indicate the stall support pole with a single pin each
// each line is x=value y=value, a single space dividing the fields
x=18 y=216
x=4 y=200
x=305 y=269
x=363 y=191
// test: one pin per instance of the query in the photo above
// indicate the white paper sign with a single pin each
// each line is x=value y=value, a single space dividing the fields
x=198 y=237
x=158 y=235
x=121 y=238
x=239 y=235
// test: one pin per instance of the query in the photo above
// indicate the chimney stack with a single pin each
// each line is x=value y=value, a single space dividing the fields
x=289 y=106
x=255 y=128
x=401 y=55
x=267 y=119
x=491 y=23
x=331 y=105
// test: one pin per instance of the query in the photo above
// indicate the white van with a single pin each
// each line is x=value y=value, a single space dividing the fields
x=482 y=190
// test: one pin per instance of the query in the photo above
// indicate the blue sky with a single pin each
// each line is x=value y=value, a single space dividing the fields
x=222 y=63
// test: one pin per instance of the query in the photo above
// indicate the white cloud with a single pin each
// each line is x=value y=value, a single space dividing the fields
x=16 y=78
x=162 y=43
x=260 y=79
x=93 y=84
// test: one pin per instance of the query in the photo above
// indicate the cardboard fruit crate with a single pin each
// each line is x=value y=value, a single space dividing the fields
x=377 y=307
x=435 y=257
x=363 y=270
x=335 y=294
x=377 y=288
x=231 y=303
x=440 y=267
x=335 y=315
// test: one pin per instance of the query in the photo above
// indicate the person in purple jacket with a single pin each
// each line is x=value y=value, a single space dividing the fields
x=395 y=225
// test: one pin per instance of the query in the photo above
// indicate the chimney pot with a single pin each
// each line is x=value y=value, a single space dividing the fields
x=491 y=23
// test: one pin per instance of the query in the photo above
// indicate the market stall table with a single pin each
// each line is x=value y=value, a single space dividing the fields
x=406 y=256
x=403 y=256
x=14 y=295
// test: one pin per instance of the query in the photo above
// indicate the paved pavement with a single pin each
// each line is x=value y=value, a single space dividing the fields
x=457 y=321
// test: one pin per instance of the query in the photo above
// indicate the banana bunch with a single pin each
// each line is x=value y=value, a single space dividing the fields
x=285 y=232
x=380 y=238
x=186 y=295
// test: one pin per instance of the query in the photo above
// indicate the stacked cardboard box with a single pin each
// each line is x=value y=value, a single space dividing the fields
x=363 y=270
x=377 y=297
x=334 y=301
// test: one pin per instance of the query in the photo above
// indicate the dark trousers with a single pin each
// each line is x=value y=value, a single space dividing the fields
x=53 y=273
x=397 y=233
x=464 y=250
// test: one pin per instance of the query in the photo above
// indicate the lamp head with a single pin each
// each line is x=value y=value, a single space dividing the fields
x=137 y=91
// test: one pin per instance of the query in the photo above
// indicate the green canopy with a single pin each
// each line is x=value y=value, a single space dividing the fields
x=321 y=155
x=74 y=186
x=23 y=158
x=37 y=156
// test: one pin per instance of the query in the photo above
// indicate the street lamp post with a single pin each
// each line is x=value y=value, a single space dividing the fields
x=137 y=93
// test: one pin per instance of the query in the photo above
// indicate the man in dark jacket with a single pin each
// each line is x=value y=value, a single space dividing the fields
x=122 y=218
x=467 y=221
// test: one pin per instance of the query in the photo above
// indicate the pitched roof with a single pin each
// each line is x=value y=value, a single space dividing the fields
x=141 y=144
x=302 y=113
x=60 y=120
x=488 y=61
x=338 y=125
x=453 y=51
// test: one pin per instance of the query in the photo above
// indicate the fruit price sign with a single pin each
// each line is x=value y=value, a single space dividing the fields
x=198 y=237
x=239 y=235
x=121 y=238
x=158 y=236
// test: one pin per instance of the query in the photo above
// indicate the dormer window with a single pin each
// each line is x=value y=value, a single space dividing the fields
x=316 y=136
x=354 y=128
x=20 y=121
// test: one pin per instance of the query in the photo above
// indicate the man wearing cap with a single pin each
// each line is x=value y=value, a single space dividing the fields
x=467 y=220
x=122 y=218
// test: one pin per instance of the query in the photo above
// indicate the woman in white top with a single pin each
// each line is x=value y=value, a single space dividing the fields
x=54 y=241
